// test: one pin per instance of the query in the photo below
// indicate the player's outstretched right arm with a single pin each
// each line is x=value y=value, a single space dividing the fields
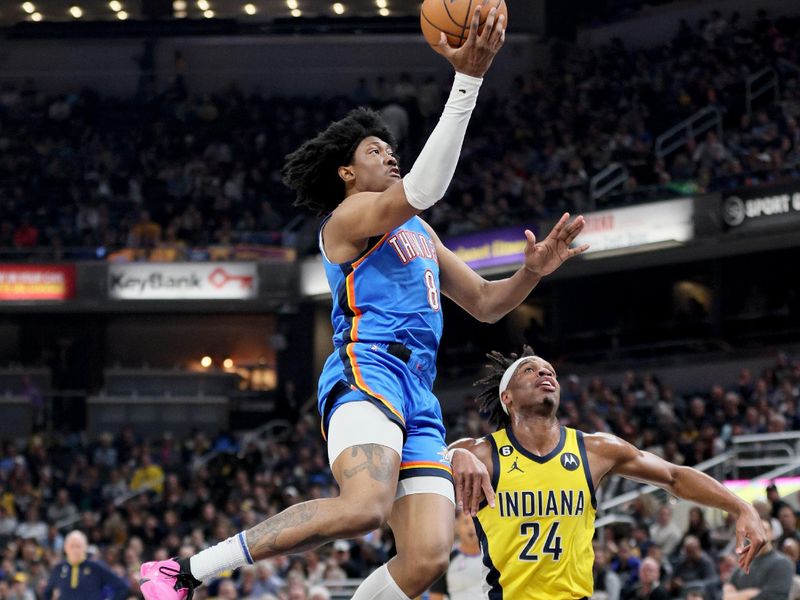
x=367 y=214
x=615 y=456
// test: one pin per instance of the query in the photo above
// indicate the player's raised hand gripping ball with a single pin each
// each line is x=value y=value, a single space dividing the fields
x=453 y=18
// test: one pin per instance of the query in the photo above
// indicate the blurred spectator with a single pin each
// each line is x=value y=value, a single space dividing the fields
x=319 y=592
x=397 y=119
x=698 y=528
x=626 y=565
x=266 y=581
x=344 y=560
x=145 y=233
x=8 y=522
x=722 y=535
x=763 y=509
x=727 y=565
x=607 y=584
x=226 y=590
x=665 y=532
x=694 y=568
x=649 y=585
x=148 y=476
x=32 y=527
x=78 y=578
x=788 y=520
x=774 y=499
x=63 y=509
x=19 y=588
x=791 y=548
x=105 y=454
x=770 y=578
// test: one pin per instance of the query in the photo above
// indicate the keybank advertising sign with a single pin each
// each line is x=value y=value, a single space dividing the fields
x=183 y=281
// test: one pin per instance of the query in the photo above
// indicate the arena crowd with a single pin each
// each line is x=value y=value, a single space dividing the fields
x=137 y=499
x=81 y=169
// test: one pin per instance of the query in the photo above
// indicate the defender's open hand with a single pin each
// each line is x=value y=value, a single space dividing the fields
x=545 y=257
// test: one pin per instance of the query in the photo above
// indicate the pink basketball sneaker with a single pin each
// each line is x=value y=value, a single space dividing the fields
x=166 y=580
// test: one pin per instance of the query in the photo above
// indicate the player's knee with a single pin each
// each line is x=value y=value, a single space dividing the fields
x=429 y=561
x=371 y=518
x=437 y=564
x=360 y=519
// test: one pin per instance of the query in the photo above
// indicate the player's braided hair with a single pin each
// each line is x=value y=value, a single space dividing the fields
x=312 y=169
x=488 y=398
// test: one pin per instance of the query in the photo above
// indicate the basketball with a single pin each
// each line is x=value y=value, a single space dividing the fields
x=453 y=17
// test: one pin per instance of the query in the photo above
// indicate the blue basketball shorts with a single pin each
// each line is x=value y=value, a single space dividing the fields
x=388 y=376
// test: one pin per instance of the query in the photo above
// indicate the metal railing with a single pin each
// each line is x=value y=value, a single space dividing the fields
x=700 y=122
x=121 y=500
x=342 y=589
x=759 y=84
x=247 y=437
x=781 y=471
x=755 y=438
x=609 y=179
x=270 y=428
x=754 y=452
x=764 y=455
x=714 y=467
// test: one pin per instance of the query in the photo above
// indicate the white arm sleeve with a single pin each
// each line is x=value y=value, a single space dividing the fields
x=433 y=170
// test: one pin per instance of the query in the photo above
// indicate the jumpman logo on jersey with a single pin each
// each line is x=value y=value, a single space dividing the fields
x=515 y=467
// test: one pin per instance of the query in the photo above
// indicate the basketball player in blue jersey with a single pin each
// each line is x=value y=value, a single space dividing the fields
x=387 y=270
x=537 y=539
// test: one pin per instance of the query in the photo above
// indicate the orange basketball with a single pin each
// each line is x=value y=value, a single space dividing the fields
x=453 y=17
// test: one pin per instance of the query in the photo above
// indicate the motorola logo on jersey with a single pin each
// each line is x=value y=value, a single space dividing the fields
x=569 y=461
x=506 y=451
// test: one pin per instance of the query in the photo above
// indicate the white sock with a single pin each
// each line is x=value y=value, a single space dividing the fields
x=380 y=586
x=225 y=556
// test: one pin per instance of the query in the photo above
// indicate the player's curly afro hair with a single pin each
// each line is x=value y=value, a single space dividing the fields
x=312 y=169
x=488 y=398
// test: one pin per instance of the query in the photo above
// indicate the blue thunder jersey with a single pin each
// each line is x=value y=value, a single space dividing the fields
x=388 y=294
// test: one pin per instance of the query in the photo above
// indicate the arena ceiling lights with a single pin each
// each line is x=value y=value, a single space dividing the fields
x=245 y=10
